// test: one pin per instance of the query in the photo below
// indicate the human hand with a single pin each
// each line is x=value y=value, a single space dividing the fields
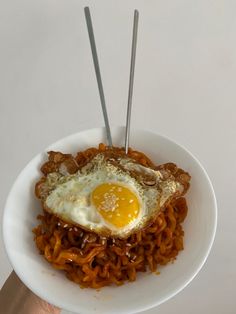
x=16 y=298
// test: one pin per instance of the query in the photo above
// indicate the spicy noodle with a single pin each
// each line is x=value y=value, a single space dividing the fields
x=96 y=261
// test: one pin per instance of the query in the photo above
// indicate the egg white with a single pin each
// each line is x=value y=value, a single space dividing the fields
x=70 y=198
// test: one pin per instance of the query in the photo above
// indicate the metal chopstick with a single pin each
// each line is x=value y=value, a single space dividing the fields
x=131 y=79
x=98 y=74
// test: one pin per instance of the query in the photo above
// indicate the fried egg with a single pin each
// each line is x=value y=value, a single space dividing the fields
x=110 y=198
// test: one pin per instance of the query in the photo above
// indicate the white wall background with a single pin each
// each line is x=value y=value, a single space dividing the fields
x=184 y=88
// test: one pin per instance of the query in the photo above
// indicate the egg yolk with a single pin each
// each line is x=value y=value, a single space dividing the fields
x=116 y=203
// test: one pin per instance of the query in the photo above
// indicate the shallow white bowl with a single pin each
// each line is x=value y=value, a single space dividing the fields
x=148 y=290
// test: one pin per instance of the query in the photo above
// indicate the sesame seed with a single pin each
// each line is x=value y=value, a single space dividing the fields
x=129 y=215
x=58 y=224
x=119 y=189
x=81 y=234
x=128 y=244
x=70 y=229
x=122 y=198
x=70 y=260
x=118 y=214
x=75 y=229
x=85 y=239
x=66 y=225
x=109 y=203
x=131 y=201
x=135 y=211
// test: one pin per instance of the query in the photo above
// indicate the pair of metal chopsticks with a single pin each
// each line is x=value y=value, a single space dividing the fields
x=99 y=79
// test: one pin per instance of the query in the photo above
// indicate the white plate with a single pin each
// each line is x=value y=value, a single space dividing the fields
x=148 y=290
